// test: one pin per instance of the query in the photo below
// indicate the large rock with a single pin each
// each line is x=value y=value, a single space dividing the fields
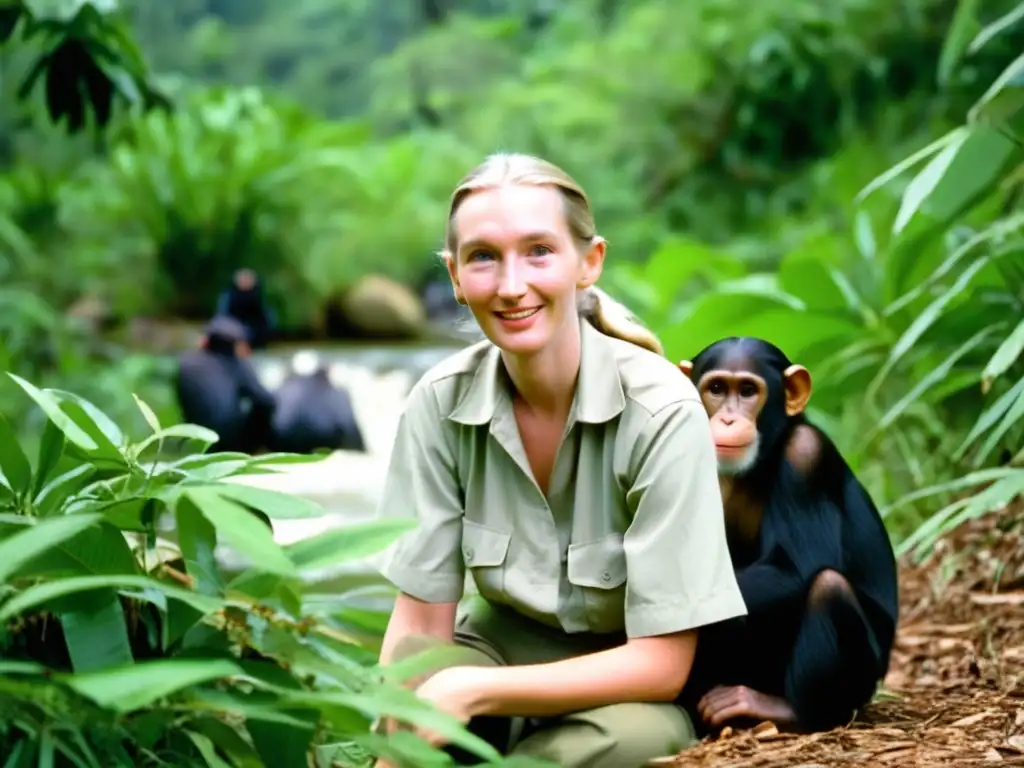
x=377 y=307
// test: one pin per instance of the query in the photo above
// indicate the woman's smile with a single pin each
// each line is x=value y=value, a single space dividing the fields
x=518 y=319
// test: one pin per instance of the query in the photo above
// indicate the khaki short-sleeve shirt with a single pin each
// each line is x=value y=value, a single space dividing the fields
x=631 y=535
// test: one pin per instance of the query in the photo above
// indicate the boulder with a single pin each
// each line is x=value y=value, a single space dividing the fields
x=376 y=307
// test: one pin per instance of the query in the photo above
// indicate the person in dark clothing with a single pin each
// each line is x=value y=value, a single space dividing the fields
x=244 y=301
x=312 y=413
x=217 y=388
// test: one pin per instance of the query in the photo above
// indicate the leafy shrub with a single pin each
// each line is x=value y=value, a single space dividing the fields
x=120 y=647
x=912 y=330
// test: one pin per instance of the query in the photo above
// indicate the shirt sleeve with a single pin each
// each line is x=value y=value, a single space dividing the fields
x=679 y=571
x=422 y=482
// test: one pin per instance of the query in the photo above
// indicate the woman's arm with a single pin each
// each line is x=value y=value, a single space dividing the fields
x=645 y=669
x=412 y=616
x=425 y=563
x=679 y=577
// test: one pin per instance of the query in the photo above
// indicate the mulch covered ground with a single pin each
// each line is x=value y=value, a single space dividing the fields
x=954 y=695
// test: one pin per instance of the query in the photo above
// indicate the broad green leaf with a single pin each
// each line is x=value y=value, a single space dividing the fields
x=51 y=446
x=206 y=748
x=147 y=413
x=957 y=484
x=95 y=631
x=954 y=136
x=20 y=668
x=403 y=705
x=925 y=183
x=343 y=545
x=717 y=315
x=1014 y=416
x=428 y=660
x=996 y=28
x=185 y=431
x=947 y=266
x=49 y=405
x=964 y=27
x=13 y=462
x=283 y=459
x=276 y=505
x=912 y=335
x=400 y=748
x=992 y=498
x=133 y=687
x=1004 y=98
x=98 y=550
x=934 y=377
x=94 y=422
x=1004 y=357
x=228 y=741
x=24 y=546
x=243 y=531
x=989 y=417
x=810 y=280
x=282 y=743
x=205 y=459
x=973 y=174
x=50 y=590
x=197 y=539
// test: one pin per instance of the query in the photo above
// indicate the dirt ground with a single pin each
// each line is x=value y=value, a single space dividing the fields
x=954 y=695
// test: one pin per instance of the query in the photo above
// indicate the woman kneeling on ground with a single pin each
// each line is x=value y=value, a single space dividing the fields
x=566 y=463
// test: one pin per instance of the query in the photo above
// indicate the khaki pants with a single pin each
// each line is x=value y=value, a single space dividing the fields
x=615 y=736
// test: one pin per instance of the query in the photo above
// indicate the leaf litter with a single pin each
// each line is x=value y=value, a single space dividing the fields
x=954 y=695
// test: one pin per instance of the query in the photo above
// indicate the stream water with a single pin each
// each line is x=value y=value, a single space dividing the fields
x=347 y=484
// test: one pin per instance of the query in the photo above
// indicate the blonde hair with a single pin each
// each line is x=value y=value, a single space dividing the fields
x=508 y=169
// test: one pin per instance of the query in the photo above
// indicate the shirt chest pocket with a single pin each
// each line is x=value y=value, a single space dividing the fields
x=598 y=569
x=484 y=550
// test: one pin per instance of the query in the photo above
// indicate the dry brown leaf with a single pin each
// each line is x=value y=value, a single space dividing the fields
x=765 y=730
x=1003 y=598
x=956 y=674
x=972 y=719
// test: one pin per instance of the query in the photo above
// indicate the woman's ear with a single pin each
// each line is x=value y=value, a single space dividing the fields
x=592 y=264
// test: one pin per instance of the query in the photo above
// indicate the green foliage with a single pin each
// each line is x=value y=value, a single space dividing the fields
x=922 y=316
x=231 y=181
x=727 y=148
x=86 y=58
x=119 y=647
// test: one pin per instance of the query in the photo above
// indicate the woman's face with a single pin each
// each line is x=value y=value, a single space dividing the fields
x=517 y=266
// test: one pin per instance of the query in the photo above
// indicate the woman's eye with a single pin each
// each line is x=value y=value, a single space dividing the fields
x=540 y=250
x=478 y=256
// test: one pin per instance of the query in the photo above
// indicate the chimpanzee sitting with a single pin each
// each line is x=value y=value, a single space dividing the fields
x=312 y=413
x=812 y=556
x=244 y=301
x=218 y=389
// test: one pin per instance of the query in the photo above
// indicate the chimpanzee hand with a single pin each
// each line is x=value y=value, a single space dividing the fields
x=724 y=703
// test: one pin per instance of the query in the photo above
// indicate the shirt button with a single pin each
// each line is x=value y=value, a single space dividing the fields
x=606 y=576
x=469 y=551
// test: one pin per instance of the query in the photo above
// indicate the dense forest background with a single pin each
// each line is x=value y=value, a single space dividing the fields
x=726 y=146
x=841 y=178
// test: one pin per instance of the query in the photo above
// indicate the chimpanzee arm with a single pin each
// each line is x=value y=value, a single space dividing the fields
x=251 y=387
x=802 y=538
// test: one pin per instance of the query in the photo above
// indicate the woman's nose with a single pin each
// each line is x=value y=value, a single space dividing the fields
x=511 y=285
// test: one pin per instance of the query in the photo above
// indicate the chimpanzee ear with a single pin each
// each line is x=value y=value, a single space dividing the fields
x=687 y=368
x=797 y=380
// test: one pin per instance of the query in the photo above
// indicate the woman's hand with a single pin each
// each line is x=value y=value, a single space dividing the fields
x=452 y=691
